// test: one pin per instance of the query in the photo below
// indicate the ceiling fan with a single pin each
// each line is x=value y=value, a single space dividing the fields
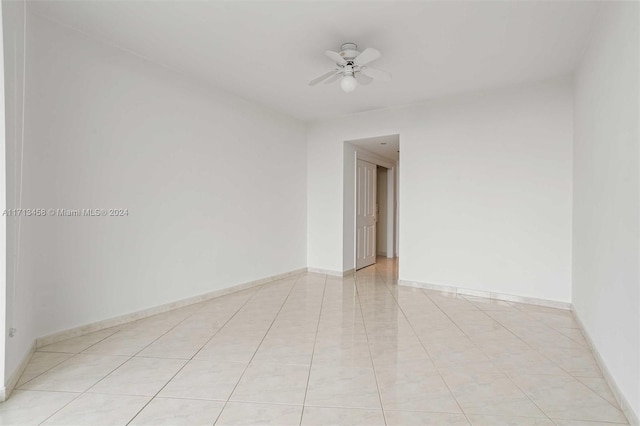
x=351 y=67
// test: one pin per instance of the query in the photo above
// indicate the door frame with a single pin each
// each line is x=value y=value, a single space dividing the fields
x=361 y=154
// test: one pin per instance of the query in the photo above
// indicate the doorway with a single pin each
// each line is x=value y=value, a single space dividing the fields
x=370 y=200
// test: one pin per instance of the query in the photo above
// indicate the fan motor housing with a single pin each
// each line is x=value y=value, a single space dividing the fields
x=349 y=51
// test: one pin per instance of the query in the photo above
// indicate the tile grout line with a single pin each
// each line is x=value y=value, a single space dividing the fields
x=577 y=378
x=191 y=359
x=483 y=352
x=315 y=341
x=83 y=392
x=120 y=365
x=179 y=323
x=255 y=352
x=73 y=355
x=146 y=346
x=427 y=353
x=364 y=325
x=242 y=306
x=571 y=338
x=464 y=414
x=509 y=374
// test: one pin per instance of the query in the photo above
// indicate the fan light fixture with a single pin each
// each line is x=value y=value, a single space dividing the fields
x=352 y=68
x=348 y=83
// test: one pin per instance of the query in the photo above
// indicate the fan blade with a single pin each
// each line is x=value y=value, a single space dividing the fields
x=335 y=57
x=334 y=78
x=363 y=79
x=368 y=55
x=376 y=74
x=322 y=77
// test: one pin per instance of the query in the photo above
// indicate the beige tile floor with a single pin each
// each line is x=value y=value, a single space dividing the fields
x=319 y=350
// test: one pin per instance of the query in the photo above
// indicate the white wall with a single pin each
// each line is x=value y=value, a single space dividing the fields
x=3 y=223
x=485 y=189
x=20 y=294
x=215 y=185
x=606 y=208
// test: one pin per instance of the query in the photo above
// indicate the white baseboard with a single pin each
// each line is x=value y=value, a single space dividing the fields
x=123 y=319
x=623 y=404
x=5 y=391
x=331 y=272
x=488 y=294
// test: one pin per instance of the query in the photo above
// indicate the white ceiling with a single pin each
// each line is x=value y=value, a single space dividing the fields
x=385 y=146
x=268 y=51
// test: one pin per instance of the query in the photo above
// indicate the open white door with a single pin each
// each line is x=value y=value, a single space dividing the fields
x=366 y=179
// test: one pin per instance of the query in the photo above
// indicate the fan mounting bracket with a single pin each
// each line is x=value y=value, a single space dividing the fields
x=349 y=51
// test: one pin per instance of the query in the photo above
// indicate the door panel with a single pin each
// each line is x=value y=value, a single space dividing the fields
x=366 y=181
